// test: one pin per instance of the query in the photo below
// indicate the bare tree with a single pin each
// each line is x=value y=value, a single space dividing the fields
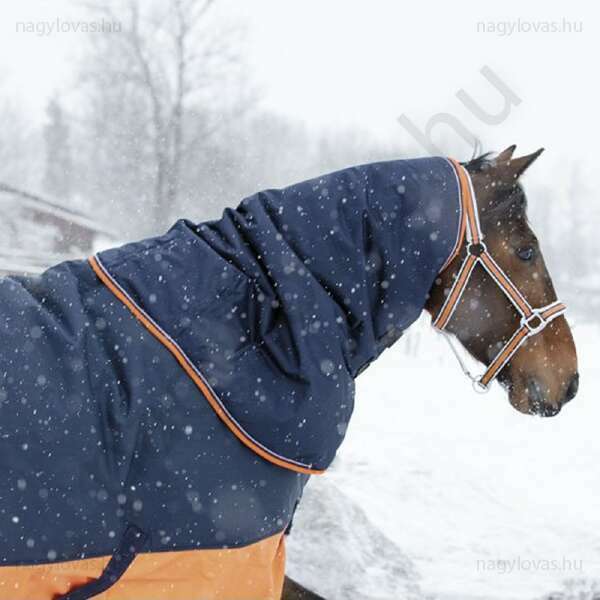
x=58 y=172
x=173 y=63
x=20 y=155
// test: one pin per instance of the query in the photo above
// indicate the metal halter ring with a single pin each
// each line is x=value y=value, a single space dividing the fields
x=479 y=387
x=476 y=249
x=535 y=322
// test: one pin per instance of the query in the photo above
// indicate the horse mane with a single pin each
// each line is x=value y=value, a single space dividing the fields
x=480 y=163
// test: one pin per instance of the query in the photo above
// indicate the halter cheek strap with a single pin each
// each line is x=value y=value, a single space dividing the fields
x=533 y=320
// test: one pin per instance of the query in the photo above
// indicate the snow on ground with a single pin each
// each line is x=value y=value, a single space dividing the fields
x=356 y=561
x=486 y=503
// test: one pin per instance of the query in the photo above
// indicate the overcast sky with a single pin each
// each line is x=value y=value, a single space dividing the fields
x=337 y=63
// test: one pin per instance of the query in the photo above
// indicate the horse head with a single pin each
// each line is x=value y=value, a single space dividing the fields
x=541 y=375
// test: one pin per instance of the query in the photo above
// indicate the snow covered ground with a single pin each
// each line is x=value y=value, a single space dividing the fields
x=478 y=501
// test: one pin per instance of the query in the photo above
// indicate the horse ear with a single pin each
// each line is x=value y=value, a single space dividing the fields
x=506 y=154
x=513 y=168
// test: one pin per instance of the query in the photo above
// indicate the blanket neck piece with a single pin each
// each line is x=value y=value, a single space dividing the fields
x=533 y=320
x=275 y=308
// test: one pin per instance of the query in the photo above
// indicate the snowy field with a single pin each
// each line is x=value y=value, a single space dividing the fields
x=463 y=497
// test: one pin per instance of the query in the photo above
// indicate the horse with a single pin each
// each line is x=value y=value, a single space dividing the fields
x=164 y=404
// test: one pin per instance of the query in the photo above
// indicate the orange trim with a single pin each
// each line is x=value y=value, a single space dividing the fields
x=463 y=221
x=184 y=362
x=507 y=284
x=253 y=571
x=457 y=291
x=553 y=310
x=498 y=362
x=468 y=205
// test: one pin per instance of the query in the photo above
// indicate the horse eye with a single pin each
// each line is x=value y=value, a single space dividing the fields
x=526 y=253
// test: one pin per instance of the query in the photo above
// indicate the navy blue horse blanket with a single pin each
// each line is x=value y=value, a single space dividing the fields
x=171 y=397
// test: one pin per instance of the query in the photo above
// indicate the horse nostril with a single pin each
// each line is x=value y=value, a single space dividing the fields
x=550 y=411
x=536 y=395
x=572 y=389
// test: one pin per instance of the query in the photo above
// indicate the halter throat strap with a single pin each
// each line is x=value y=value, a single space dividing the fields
x=533 y=320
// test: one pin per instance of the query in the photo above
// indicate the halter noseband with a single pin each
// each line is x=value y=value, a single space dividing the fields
x=533 y=320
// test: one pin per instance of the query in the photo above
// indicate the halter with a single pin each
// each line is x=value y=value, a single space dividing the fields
x=533 y=320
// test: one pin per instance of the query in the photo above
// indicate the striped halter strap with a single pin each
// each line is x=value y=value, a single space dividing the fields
x=533 y=320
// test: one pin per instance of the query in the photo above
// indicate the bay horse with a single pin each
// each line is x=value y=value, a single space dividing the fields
x=163 y=404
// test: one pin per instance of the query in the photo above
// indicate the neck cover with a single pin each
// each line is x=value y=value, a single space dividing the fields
x=280 y=304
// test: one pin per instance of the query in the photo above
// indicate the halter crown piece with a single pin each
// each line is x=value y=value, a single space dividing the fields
x=533 y=320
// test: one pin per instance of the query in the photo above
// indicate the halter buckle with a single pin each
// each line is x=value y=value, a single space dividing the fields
x=535 y=322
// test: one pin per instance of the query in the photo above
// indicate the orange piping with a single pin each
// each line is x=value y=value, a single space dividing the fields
x=184 y=362
x=463 y=221
x=507 y=285
x=494 y=368
x=457 y=291
x=466 y=200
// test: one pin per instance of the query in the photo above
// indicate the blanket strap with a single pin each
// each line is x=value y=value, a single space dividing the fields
x=132 y=542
